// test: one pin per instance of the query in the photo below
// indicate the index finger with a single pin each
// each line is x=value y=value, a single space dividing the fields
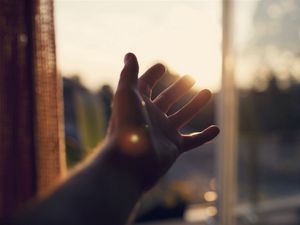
x=149 y=79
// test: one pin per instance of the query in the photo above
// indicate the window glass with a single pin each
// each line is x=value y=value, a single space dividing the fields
x=92 y=38
x=267 y=79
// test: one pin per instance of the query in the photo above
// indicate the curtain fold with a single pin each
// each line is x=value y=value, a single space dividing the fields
x=31 y=115
x=49 y=129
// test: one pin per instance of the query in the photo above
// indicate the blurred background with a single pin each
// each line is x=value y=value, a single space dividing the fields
x=186 y=36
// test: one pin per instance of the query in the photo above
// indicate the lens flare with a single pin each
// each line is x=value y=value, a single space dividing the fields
x=210 y=196
x=134 y=138
x=133 y=141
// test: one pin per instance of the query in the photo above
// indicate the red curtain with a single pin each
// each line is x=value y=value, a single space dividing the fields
x=31 y=117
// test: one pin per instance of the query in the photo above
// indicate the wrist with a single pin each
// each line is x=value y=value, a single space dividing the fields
x=120 y=167
x=141 y=169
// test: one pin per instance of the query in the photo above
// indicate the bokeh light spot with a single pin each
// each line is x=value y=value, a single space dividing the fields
x=210 y=196
x=134 y=138
x=211 y=211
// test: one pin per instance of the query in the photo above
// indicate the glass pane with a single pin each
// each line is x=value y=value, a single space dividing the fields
x=92 y=38
x=267 y=77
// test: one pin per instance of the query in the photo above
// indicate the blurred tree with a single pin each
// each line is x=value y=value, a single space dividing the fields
x=86 y=119
x=105 y=95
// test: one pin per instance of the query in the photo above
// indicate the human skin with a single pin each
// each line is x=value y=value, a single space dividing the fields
x=141 y=144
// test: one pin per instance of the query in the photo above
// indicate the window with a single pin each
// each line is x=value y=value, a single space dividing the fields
x=256 y=101
x=92 y=38
x=267 y=79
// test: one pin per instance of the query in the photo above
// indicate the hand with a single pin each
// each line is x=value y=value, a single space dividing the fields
x=146 y=140
x=142 y=143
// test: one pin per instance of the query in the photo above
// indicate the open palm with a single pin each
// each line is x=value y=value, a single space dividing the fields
x=147 y=137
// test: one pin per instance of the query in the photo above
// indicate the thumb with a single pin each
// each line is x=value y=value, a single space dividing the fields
x=130 y=71
x=128 y=105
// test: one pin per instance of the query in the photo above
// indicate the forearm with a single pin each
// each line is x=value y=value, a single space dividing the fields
x=99 y=193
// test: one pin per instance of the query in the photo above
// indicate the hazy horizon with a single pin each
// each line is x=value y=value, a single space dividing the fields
x=93 y=36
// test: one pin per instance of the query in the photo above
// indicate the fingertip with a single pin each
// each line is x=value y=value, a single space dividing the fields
x=213 y=131
x=160 y=68
x=206 y=92
x=128 y=57
x=196 y=139
x=153 y=75
x=204 y=96
x=131 y=63
x=189 y=80
x=130 y=70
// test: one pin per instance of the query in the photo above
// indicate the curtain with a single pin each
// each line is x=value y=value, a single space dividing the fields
x=32 y=157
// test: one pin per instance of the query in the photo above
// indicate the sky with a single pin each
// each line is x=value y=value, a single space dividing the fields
x=92 y=38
